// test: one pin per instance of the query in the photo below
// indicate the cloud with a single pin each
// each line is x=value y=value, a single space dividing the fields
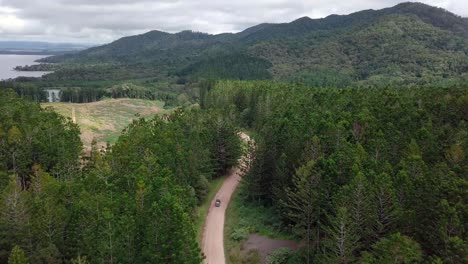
x=100 y=21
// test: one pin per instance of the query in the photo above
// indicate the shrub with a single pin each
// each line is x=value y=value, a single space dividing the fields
x=239 y=234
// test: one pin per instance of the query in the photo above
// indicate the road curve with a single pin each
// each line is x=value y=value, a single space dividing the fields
x=213 y=231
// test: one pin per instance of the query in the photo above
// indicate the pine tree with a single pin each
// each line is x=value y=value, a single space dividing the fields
x=303 y=205
x=14 y=215
x=16 y=150
x=386 y=205
x=79 y=260
x=341 y=238
x=169 y=236
x=17 y=256
x=258 y=179
x=396 y=249
x=450 y=228
x=356 y=197
x=49 y=216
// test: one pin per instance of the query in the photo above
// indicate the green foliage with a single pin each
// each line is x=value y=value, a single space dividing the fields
x=79 y=260
x=341 y=240
x=395 y=249
x=17 y=256
x=303 y=202
x=244 y=217
x=239 y=234
x=251 y=257
x=170 y=237
x=27 y=90
x=247 y=217
x=31 y=135
x=349 y=167
x=236 y=66
x=130 y=203
x=281 y=256
x=78 y=89
x=356 y=198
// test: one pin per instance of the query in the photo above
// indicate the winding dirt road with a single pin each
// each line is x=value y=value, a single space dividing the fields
x=213 y=232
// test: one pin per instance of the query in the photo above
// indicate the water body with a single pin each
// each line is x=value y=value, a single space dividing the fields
x=10 y=61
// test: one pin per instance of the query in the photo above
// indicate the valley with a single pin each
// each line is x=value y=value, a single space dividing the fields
x=338 y=139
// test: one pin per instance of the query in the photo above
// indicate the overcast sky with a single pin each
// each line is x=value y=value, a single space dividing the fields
x=101 y=21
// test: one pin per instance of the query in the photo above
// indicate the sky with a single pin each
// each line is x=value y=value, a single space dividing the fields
x=102 y=21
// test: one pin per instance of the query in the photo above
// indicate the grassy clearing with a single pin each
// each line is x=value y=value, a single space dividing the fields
x=244 y=218
x=104 y=120
x=202 y=210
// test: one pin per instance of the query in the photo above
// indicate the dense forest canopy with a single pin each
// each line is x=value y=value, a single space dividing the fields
x=358 y=173
x=130 y=203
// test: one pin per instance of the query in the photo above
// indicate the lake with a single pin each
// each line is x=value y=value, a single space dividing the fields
x=9 y=61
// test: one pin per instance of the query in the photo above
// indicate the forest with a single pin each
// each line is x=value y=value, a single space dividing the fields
x=359 y=175
x=132 y=202
x=359 y=124
x=171 y=93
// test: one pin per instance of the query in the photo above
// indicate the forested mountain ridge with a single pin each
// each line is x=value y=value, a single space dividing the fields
x=151 y=46
x=410 y=43
x=434 y=16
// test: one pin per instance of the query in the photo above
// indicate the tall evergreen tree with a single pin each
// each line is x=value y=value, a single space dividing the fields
x=386 y=205
x=356 y=197
x=341 y=238
x=17 y=256
x=396 y=248
x=303 y=205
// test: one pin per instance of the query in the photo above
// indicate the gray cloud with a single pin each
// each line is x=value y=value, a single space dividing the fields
x=100 y=21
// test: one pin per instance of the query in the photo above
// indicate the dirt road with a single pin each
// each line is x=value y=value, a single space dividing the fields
x=213 y=233
x=73 y=115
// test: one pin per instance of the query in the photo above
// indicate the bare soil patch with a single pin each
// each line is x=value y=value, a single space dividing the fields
x=265 y=245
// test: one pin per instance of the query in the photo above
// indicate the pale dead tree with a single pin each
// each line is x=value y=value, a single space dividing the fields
x=341 y=238
x=14 y=211
x=247 y=159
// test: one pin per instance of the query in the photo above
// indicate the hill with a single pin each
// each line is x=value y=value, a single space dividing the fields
x=410 y=43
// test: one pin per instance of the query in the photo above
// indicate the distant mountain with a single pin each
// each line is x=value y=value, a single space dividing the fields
x=405 y=44
x=35 y=47
x=149 y=47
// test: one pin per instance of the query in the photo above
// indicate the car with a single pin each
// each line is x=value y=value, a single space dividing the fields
x=218 y=203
